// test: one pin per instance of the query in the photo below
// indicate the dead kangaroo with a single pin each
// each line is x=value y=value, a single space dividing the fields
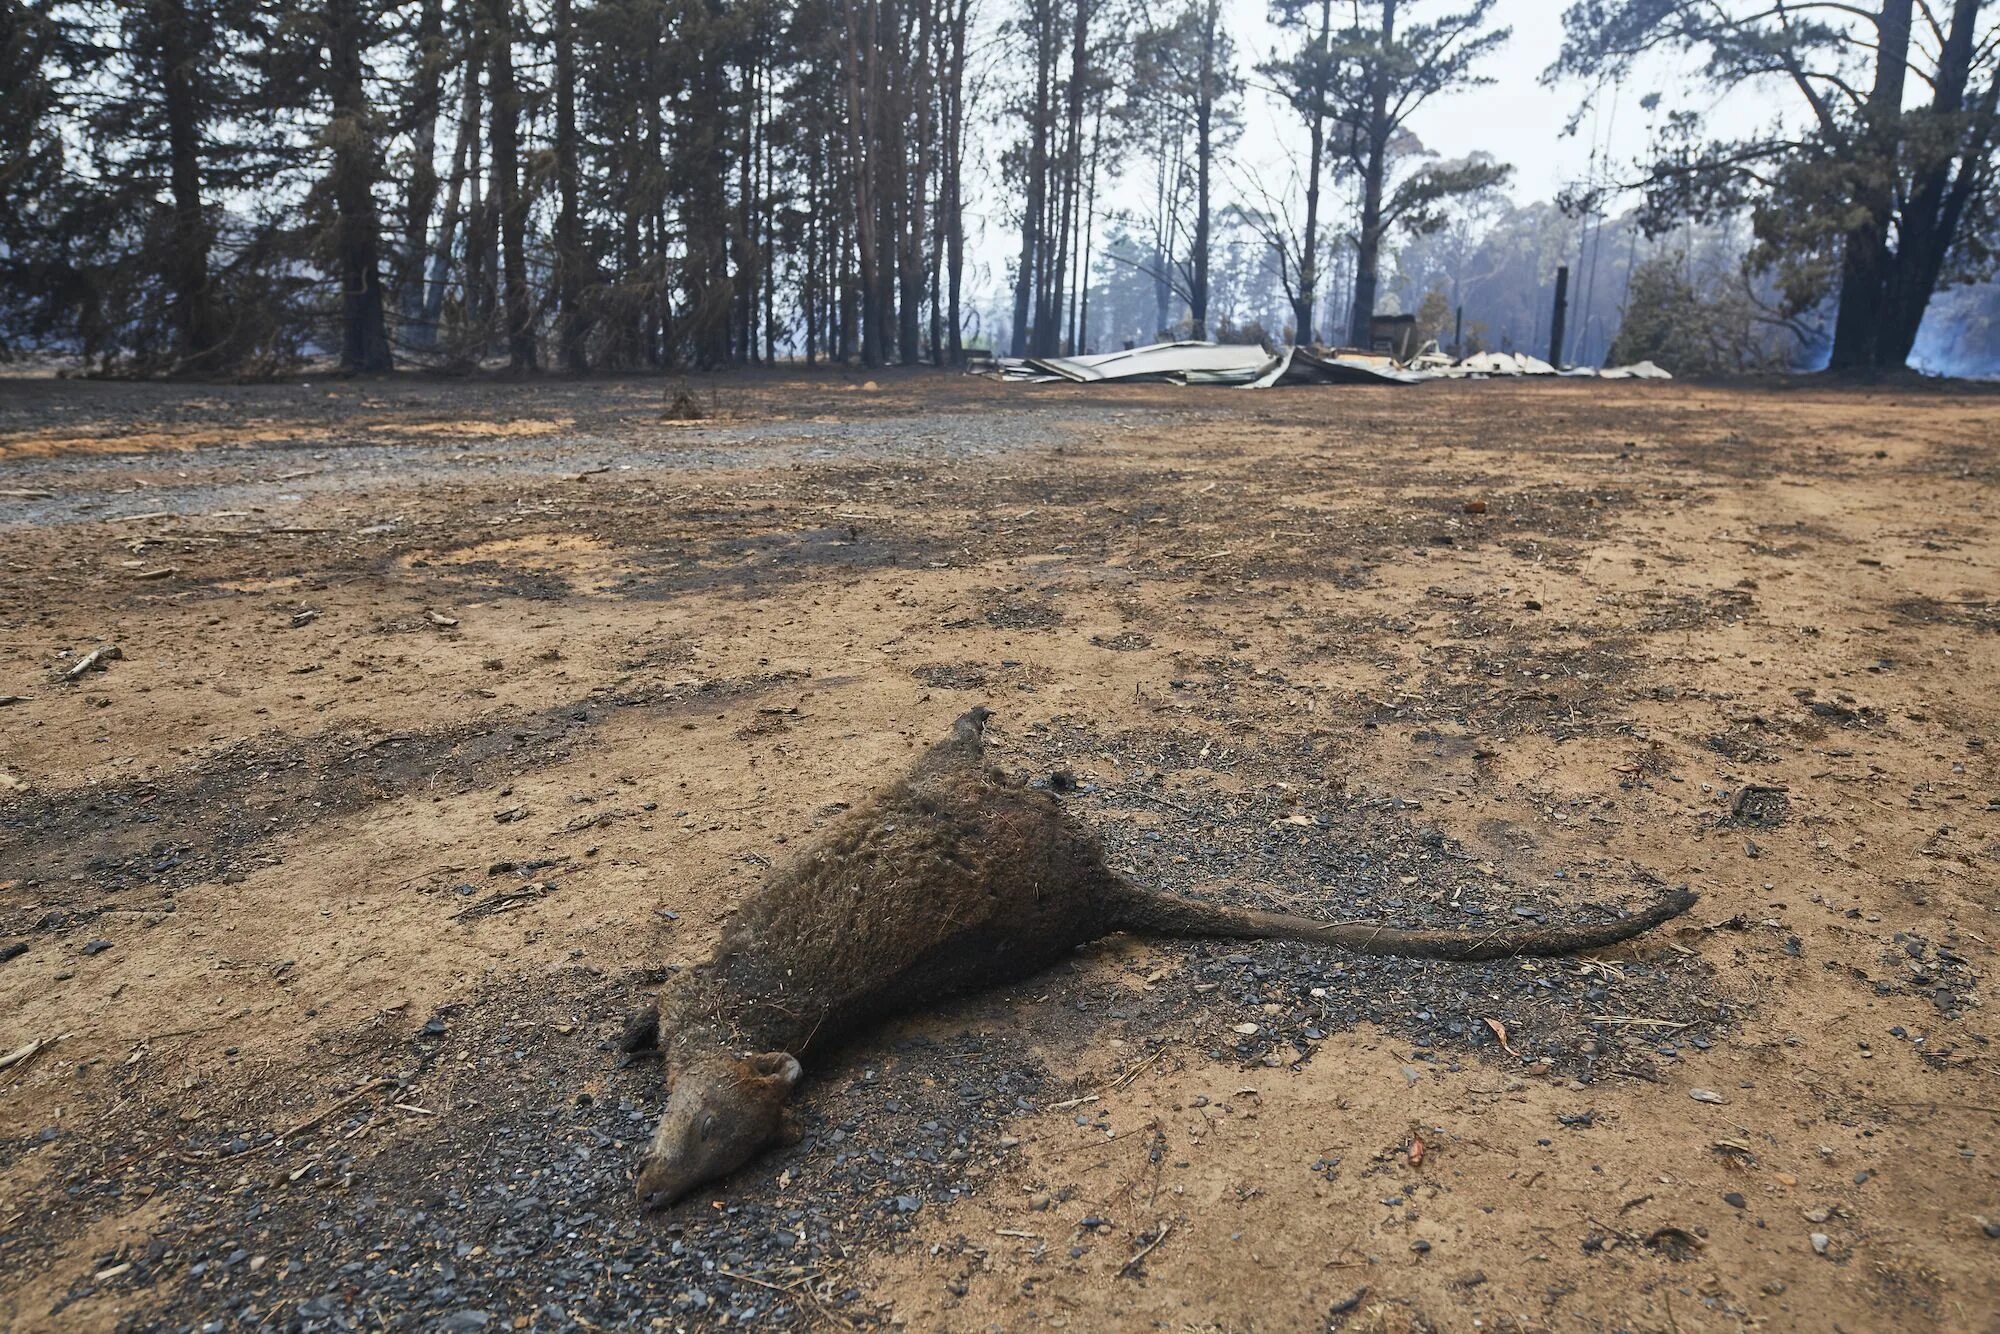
x=950 y=879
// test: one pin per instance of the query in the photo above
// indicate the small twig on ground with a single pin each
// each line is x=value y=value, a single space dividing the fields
x=1147 y=1249
x=93 y=661
x=824 y=1312
x=106 y=1173
x=1115 y=1085
x=1935 y=1103
x=1629 y=1238
x=763 y=1283
x=1094 y=1144
x=500 y=903
x=1067 y=1103
x=594 y=819
x=366 y=1090
x=1133 y=1072
x=28 y=1051
x=178 y=1033
x=802 y=1284
x=1170 y=805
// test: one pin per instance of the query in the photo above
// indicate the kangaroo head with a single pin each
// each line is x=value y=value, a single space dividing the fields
x=722 y=1111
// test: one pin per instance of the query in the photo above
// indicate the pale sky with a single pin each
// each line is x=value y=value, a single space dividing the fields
x=1519 y=120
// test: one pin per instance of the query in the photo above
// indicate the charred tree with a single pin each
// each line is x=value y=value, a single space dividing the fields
x=1207 y=90
x=364 y=334
x=184 y=97
x=863 y=107
x=571 y=260
x=420 y=196
x=508 y=201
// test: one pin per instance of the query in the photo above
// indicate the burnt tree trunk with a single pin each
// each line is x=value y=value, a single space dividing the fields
x=364 y=339
x=890 y=177
x=197 y=338
x=1866 y=261
x=1034 y=242
x=1082 y=338
x=1374 y=170
x=861 y=117
x=744 y=226
x=464 y=170
x=421 y=189
x=954 y=178
x=572 y=324
x=915 y=227
x=1934 y=213
x=508 y=201
x=1305 y=301
x=476 y=280
x=1049 y=327
x=1204 y=131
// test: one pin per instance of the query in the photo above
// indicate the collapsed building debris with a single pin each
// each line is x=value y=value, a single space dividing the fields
x=1184 y=362
x=1249 y=366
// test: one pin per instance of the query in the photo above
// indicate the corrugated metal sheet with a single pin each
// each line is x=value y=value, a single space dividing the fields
x=1251 y=367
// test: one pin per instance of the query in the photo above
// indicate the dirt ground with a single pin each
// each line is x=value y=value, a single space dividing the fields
x=446 y=717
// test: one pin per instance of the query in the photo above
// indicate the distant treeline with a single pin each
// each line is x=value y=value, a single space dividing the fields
x=227 y=186
x=219 y=186
x=200 y=186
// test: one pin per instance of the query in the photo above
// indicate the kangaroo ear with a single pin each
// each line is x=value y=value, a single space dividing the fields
x=971 y=725
x=779 y=1067
x=642 y=1031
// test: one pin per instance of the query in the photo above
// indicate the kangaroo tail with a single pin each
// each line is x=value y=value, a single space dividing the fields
x=1144 y=913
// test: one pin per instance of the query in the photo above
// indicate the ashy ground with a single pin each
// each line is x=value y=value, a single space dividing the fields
x=445 y=718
